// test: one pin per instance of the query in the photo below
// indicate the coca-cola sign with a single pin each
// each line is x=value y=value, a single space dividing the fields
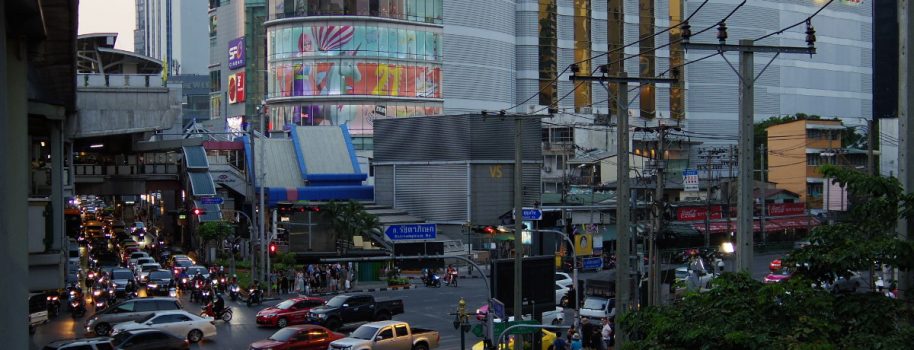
x=698 y=213
x=786 y=209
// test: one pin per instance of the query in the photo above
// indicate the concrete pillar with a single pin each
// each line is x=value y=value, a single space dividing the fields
x=13 y=189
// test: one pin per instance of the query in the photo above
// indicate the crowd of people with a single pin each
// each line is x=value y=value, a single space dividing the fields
x=314 y=278
x=592 y=336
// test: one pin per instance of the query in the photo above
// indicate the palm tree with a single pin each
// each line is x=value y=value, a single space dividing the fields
x=349 y=219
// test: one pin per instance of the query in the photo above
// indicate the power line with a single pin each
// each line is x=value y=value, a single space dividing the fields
x=779 y=32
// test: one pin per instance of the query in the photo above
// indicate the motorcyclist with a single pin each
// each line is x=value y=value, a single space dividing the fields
x=218 y=304
x=130 y=289
x=429 y=277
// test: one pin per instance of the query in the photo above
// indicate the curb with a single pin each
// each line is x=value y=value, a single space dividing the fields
x=366 y=290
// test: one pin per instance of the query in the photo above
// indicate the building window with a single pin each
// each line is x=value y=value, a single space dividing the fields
x=215 y=81
x=813 y=159
x=814 y=190
x=212 y=25
x=363 y=143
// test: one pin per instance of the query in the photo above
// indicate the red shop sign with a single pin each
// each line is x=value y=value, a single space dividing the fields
x=698 y=213
x=786 y=209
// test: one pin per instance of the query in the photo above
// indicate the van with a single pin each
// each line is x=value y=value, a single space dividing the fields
x=102 y=322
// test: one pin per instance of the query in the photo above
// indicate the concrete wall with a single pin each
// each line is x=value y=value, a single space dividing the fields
x=113 y=111
x=785 y=150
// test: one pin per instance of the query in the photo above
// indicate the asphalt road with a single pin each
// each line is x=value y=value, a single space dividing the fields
x=425 y=307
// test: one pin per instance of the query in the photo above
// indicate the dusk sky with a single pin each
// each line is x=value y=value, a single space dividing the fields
x=109 y=16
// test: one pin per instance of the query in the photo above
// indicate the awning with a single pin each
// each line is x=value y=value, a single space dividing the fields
x=195 y=157
x=771 y=225
x=211 y=212
x=201 y=184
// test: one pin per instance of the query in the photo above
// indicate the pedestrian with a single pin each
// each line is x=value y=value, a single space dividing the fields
x=607 y=333
x=576 y=342
x=586 y=332
x=299 y=282
x=560 y=343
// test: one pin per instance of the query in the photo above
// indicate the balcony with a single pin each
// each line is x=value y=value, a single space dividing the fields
x=116 y=104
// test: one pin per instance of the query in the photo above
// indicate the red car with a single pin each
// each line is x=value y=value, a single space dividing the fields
x=306 y=336
x=288 y=312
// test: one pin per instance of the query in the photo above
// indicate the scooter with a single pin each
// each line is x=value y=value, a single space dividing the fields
x=101 y=303
x=233 y=292
x=53 y=305
x=206 y=296
x=433 y=282
x=225 y=314
x=254 y=297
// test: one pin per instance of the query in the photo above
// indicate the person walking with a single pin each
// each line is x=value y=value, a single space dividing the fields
x=299 y=282
x=607 y=333
x=586 y=332
x=576 y=342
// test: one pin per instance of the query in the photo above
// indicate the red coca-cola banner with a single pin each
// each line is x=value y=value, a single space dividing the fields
x=698 y=213
x=786 y=209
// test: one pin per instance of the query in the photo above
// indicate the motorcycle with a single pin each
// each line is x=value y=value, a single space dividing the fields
x=172 y=292
x=77 y=304
x=206 y=296
x=53 y=305
x=197 y=293
x=233 y=292
x=451 y=279
x=224 y=315
x=254 y=296
x=101 y=303
x=434 y=282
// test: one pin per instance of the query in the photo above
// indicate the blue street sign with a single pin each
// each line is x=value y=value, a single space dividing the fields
x=498 y=308
x=531 y=214
x=411 y=231
x=593 y=263
x=211 y=200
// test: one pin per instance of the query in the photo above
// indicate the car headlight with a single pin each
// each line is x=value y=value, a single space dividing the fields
x=321 y=315
x=270 y=315
x=152 y=285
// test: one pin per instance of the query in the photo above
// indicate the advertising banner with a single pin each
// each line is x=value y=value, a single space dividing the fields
x=786 y=209
x=236 y=53
x=698 y=213
x=236 y=88
x=583 y=244
x=690 y=180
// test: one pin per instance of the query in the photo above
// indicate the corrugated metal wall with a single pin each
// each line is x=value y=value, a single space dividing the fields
x=433 y=192
x=454 y=137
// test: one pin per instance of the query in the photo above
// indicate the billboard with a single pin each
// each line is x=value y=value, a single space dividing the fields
x=583 y=244
x=355 y=77
x=537 y=283
x=236 y=53
x=690 y=180
x=698 y=213
x=236 y=88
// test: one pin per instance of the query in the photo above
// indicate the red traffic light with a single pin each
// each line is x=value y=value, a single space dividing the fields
x=198 y=211
x=490 y=230
x=272 y=248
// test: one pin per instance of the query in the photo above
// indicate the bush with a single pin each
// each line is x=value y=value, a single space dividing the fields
x=397 y=281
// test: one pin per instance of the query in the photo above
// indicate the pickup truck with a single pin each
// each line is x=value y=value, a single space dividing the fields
x=392 y=335
x=343 y=309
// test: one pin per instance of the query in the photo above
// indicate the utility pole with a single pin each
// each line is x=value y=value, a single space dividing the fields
x=763 y=195
x=624 y=286
x=871 y=137
x=729 y=185
x=653 y=286
x=905 y=122
x=747 y=78
x=518 y=224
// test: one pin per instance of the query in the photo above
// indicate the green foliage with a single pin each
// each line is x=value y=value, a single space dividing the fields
x=215 y=230
x=742 y=313
x=287 y=259
x=349 y=219
x=399 y=281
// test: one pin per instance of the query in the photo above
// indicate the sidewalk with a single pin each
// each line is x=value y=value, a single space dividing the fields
x=359 y=287
x=417 y=274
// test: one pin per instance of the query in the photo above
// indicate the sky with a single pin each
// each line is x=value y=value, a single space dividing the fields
x=109 y=16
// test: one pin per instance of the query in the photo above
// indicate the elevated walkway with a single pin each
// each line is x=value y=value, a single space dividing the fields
x=317 y=163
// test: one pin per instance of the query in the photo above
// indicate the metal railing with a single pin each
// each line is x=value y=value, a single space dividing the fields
x=98 y=80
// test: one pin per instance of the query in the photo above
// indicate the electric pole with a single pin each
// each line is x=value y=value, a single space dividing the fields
x=624 y=284
x=905 y=122
x=747 y=78
x=763 y=195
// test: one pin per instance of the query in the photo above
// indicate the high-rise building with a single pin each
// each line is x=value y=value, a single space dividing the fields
x=172 y=31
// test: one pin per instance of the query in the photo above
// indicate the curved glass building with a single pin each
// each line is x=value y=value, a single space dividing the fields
x=335 y=62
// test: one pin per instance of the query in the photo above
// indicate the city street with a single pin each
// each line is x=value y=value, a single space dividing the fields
x=425 y=307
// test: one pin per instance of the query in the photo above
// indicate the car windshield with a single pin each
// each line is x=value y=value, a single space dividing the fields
x=150 y=267
x=284 y=334
x=364 y=332
x=193 y=271
x=120 y=338
x=183 y=263
x=594 y=304
x=337 y=301
x=285 y=305
x=159 y=275
x=123 y=275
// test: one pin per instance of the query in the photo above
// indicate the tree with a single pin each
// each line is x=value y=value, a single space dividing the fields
x=742 y=313
x=214 y=231
x=349 y=219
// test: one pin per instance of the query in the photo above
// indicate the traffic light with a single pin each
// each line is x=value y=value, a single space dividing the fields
x=198 y=211
x=273 y=248
x=488 y=230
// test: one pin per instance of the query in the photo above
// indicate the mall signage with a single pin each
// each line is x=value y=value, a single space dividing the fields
x=236 y=53
x=236 y=88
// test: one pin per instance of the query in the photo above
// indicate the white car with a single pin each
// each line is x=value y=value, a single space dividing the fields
x=178 y=323
x=563 y=279
x=145 y=269
x=136 y=256
x=560 y=293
